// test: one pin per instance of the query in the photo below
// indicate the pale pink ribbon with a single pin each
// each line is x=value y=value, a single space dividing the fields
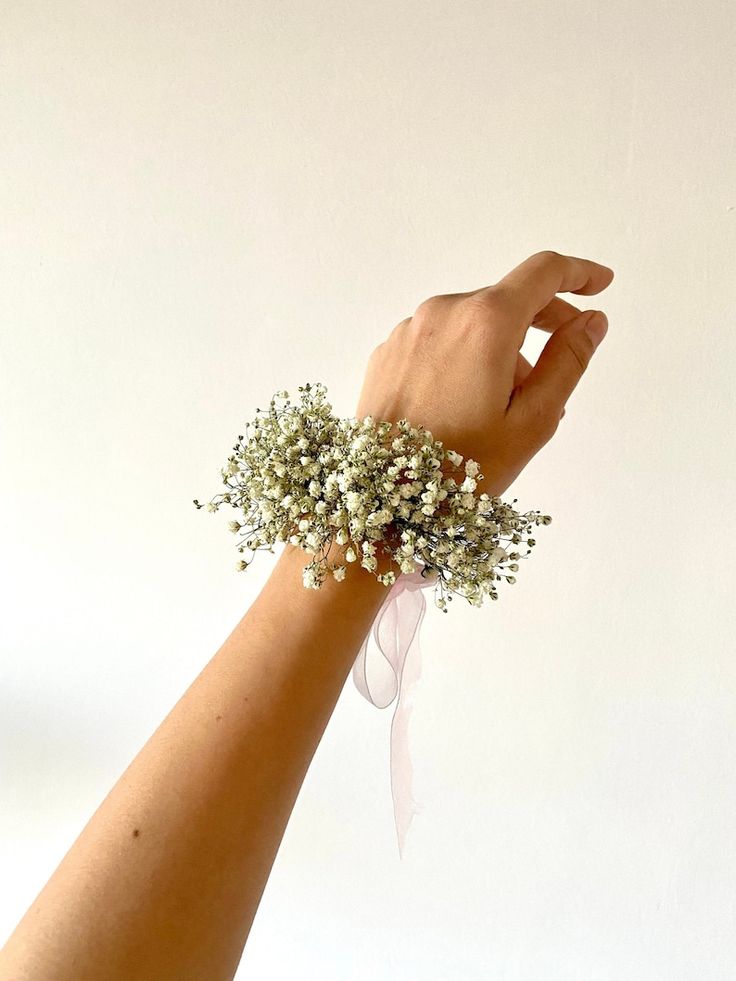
x=395 y=634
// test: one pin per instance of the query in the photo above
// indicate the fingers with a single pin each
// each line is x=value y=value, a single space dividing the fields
x=564 y=359
x=555 y=314
x=532 y=284
x=527 y=295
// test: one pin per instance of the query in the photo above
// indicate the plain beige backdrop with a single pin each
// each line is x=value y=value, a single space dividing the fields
x=202 y=203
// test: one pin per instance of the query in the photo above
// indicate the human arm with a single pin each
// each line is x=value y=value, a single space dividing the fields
x=165 y=879
x=212 y=790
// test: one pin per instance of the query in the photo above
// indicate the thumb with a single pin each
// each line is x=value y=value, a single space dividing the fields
x=562 y=363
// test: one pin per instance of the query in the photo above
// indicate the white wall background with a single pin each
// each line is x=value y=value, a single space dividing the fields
x=203 y=203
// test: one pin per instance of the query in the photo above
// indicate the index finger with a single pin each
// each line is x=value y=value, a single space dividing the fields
x=533 y=283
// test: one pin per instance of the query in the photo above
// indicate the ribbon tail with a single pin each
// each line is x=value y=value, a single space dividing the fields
x=382 y=692
x=395 y=633
x=402 y=771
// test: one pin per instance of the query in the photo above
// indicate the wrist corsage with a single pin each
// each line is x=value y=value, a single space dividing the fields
x=301 y=475
x=304 y=476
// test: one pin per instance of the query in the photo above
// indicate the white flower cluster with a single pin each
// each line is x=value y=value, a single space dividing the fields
x=306 y=477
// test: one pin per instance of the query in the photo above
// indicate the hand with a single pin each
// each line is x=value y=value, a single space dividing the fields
x=455 y=368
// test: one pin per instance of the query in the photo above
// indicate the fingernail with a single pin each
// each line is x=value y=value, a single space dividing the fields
x=596 y=327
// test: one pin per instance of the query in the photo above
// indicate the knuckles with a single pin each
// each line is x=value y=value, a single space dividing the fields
x=492 y=300
x=377 y=353
x=427 y=309
x=462 y=308
x=396 y=335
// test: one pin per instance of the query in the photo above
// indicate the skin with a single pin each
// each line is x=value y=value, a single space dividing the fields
x=165 y=879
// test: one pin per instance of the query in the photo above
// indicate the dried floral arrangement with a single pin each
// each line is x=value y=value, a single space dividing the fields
x=302 y=475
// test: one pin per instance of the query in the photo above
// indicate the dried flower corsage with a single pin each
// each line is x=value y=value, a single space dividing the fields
x=305 y=476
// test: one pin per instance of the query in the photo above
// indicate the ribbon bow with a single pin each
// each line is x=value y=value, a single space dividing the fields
x=395 y=633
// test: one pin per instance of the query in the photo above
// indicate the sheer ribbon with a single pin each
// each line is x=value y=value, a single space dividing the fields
x=395 y=636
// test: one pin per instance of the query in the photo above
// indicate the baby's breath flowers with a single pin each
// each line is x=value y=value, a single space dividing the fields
x=306 y=477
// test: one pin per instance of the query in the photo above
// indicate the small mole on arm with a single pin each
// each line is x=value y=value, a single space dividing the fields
x=217 y=718
x=136 y=832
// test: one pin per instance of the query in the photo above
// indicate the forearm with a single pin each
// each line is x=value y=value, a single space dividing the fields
x=165 y=879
